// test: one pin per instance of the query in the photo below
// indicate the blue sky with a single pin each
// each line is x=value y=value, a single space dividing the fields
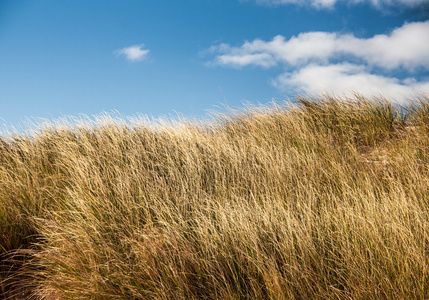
x=67 y=57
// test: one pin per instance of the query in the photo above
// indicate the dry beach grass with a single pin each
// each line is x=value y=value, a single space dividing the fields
x=325 y=199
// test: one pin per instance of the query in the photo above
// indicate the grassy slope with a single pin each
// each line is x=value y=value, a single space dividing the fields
x=325 y=200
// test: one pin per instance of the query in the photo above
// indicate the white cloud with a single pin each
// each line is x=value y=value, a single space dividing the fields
x=407 y=47
x=133 y=53
x=244 y=59
x=331 y=3
x=347 y=78
x=324 y=61
x=315 y=3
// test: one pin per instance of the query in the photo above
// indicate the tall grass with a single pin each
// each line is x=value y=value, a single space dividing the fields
x=326 y=199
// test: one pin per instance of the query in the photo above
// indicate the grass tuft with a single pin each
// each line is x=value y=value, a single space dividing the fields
x=325 y=199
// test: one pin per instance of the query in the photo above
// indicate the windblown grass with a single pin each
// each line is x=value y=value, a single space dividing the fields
x=327 y=199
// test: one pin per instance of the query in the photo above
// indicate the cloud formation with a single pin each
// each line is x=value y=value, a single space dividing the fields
x=133 y=53
x=331 y=3
x=332 y=61
x=405 y=47
x=346 y=78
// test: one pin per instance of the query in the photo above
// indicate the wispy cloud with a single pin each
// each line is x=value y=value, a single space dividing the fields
x=405 y=47
x=346 y=78
x=133 y=53
x=324 y=60
x=320 y=4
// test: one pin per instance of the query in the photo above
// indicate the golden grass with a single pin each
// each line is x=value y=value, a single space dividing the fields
x=327 y=199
